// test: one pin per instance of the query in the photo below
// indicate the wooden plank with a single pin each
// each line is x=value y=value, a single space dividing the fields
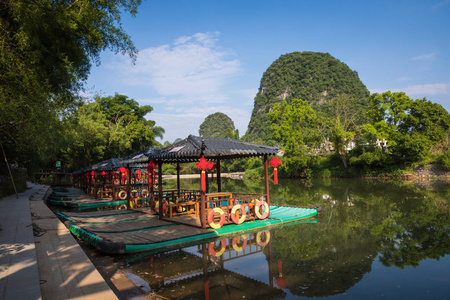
x=97 y=213
x=126 y=226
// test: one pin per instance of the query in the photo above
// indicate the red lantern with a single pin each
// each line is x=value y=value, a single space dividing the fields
x=204 y=165
x=123 y=170
x=151 y=173
x=275 y=162
x=103 y=173
x=113 y=175
x=280 y=281
x=138 y=174
x=93 y=173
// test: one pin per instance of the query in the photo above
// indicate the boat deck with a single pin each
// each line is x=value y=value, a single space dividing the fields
x=127 y=231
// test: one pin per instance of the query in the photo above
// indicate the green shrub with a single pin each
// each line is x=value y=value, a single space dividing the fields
x=445 y=160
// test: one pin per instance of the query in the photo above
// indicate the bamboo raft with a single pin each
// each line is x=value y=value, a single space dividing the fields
x=129 y=231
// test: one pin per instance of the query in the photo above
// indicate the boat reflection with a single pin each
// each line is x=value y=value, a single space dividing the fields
x=229 y=268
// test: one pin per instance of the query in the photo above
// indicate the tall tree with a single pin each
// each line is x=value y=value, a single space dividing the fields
x=411 y=127
x=109 y=127
x=47 y=48
x=294 y=127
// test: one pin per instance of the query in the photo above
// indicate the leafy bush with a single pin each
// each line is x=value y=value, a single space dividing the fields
x=445 y=160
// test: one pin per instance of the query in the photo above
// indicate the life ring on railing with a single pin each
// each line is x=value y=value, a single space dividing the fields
x=144 y=193
x=134 y=193
x=164 y=206
x=123 y=206
x=235 y=240
x=234 y=216
x=211 y=218
x=122 y=195
x=212 y=251
x=266 y=240
x=257 y=208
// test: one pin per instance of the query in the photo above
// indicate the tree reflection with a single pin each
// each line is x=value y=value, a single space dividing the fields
x=403 y=223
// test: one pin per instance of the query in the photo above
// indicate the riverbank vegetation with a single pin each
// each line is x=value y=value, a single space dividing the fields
x=388 y=138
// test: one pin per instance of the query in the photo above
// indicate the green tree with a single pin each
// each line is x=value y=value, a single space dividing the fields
x=109 y=127
x=294 y=127
x=341 y=123
x=47 y=48
x=218 y=125
x=411 y=127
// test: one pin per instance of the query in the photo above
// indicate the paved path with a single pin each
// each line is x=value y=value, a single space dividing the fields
x=48 y=264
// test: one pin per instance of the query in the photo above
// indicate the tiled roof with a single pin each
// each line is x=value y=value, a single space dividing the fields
x=191 y=149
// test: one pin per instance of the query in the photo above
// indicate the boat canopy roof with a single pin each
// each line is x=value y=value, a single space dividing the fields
x=193 y=147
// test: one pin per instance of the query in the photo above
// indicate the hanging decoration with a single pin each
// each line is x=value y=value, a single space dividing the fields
x=113 y=176
x=123 y=171
x=93 y=173
x=103 y=173
x=151 y=173
x=281 y=283
x=275 y=162
x=138 y=174
x=204 y=165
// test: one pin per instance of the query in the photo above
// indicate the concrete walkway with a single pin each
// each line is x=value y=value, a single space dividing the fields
x=39 y=258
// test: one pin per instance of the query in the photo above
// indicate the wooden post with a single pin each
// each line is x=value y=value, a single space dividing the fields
x=205 y=271
x=178 y=177
x=113 y=187
x=270 y=265
x=128 y=185
x=266 y=181
x=202 y=209
x=207 y=181
x=160 y=190
x=219 y=183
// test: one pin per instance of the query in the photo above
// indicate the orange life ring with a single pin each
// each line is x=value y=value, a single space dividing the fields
x=258 y=213
x=122 y=195
x=211 y=218
x=235 y=241
x=144 y=193
x=123 y=206
x=164 y=206
x=234 y=217
x=212 y=251
x=266 y=240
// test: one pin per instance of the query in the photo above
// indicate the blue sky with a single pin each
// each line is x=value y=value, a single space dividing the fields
x=200 y=57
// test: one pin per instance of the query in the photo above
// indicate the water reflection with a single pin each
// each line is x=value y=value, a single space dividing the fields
x=363 y=224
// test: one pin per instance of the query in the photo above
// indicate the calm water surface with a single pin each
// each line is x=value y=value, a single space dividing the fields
x=374 y=239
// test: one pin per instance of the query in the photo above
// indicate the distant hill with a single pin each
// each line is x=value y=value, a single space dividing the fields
x=312 y=76
x=217 y=125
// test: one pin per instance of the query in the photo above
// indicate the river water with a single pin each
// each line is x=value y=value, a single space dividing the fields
x=374 y=239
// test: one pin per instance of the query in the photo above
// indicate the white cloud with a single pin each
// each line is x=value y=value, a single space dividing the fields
x=186 y=81
x=191 y=66
x=421 y=89
x=428 y=89
x=440 y=5
x=425 y=57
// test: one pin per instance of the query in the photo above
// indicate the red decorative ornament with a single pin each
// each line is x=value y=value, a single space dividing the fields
x=275 y=162
x=123 y=170
x=151 y=173
x=138 y=174
x=93 y=173
x=113 y=174
x=204 y=165
x=281 y=283
x=103 y=173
